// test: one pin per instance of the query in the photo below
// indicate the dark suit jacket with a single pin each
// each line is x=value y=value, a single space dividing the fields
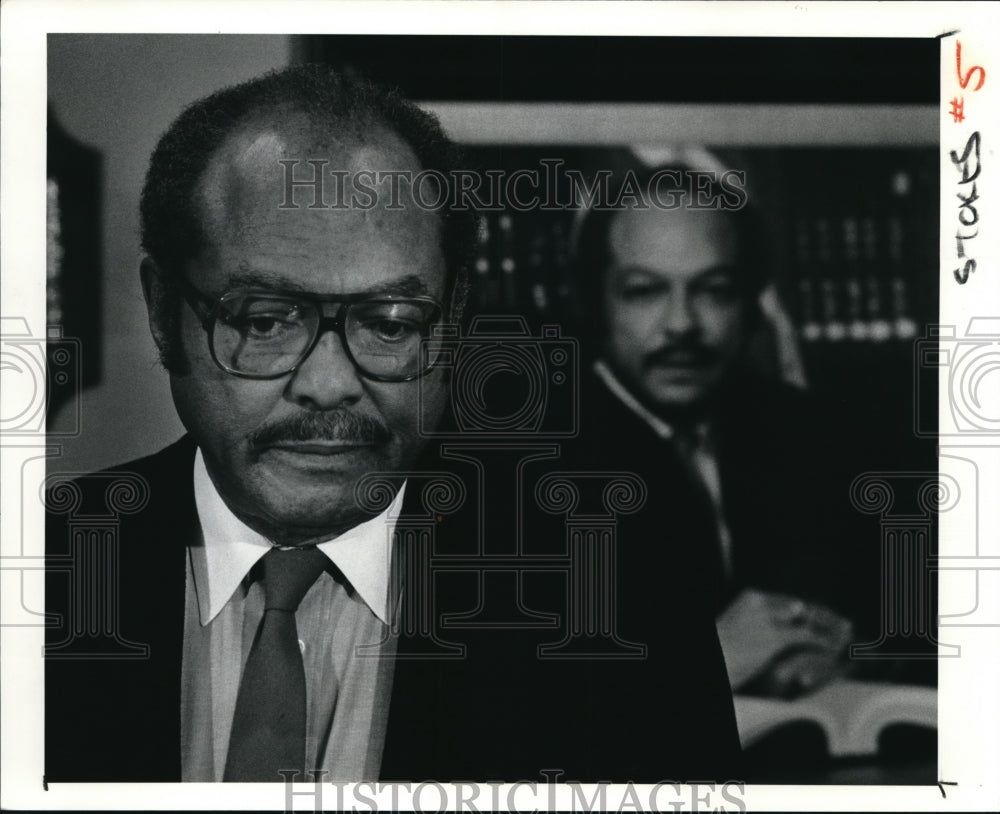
x=786 y=462
x=499 y=712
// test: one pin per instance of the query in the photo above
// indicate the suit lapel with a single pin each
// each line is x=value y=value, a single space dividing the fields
x=160 y=547
x=118 y=717
x=413 y=701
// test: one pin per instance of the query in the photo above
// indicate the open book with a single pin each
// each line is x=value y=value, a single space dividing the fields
x=852 y=713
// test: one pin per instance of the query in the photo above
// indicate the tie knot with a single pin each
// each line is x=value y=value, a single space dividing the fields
x=690 y=440
x=288 y=573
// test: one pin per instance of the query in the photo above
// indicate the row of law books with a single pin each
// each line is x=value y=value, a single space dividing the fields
x=523 y=264
x=850 y=280
x=854 y=309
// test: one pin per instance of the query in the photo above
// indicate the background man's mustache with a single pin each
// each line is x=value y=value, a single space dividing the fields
x=680 y=354
x=339 y=426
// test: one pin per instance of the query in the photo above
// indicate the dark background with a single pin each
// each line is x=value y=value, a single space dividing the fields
x=642 y=69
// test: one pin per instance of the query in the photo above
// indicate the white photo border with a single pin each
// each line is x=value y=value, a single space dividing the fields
x=969 y=710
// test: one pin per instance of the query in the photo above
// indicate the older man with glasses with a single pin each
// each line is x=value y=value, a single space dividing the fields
x=257 y=576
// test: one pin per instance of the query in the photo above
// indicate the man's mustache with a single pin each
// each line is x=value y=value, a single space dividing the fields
x=337 y=426
x=681 y=354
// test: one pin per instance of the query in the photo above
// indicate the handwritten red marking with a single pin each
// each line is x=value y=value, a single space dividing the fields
x=967 y=78
x=957 y=109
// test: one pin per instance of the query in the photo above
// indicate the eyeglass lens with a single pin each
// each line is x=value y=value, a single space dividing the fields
x=257 y=335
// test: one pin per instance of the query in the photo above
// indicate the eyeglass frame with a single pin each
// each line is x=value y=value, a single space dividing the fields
x=207 y=309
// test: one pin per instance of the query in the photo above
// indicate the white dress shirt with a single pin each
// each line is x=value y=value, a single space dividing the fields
x=347 y=689
x=700 y=455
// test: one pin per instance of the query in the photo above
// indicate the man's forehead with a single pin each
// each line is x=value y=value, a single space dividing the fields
x=658 y=238
x=247 y=171
x=326 y=248
x=273 y=137
x=400 y=285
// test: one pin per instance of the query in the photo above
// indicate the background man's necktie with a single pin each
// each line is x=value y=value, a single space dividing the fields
x=269 y=725
x=690 y=445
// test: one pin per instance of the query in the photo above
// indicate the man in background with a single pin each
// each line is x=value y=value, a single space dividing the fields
x=749 y=473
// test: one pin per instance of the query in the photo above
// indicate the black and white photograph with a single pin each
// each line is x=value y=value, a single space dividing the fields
x=673 y=495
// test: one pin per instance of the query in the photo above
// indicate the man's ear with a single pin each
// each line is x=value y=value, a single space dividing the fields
x=156 y=306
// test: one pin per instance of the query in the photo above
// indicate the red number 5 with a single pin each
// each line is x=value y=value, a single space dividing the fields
x=965 y=80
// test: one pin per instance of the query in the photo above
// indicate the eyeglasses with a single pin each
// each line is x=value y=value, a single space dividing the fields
x=265 y=334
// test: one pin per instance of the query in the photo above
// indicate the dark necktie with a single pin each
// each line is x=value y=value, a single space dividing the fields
x=269 y=725
x=688 y=442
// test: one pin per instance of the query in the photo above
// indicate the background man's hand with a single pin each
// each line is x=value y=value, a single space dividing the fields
x=786 y=644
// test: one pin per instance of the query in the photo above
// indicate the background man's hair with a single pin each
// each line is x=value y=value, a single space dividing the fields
x=172 y=231
x=592 y=252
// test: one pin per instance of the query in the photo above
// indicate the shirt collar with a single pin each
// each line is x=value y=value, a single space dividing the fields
x=703 y=430
x=657 y=424
x=231 y=548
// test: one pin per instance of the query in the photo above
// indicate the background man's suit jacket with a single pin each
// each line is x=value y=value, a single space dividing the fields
x=786 y=461
x=497 y=713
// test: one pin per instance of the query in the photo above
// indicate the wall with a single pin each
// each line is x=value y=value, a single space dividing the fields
x=118 y=93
